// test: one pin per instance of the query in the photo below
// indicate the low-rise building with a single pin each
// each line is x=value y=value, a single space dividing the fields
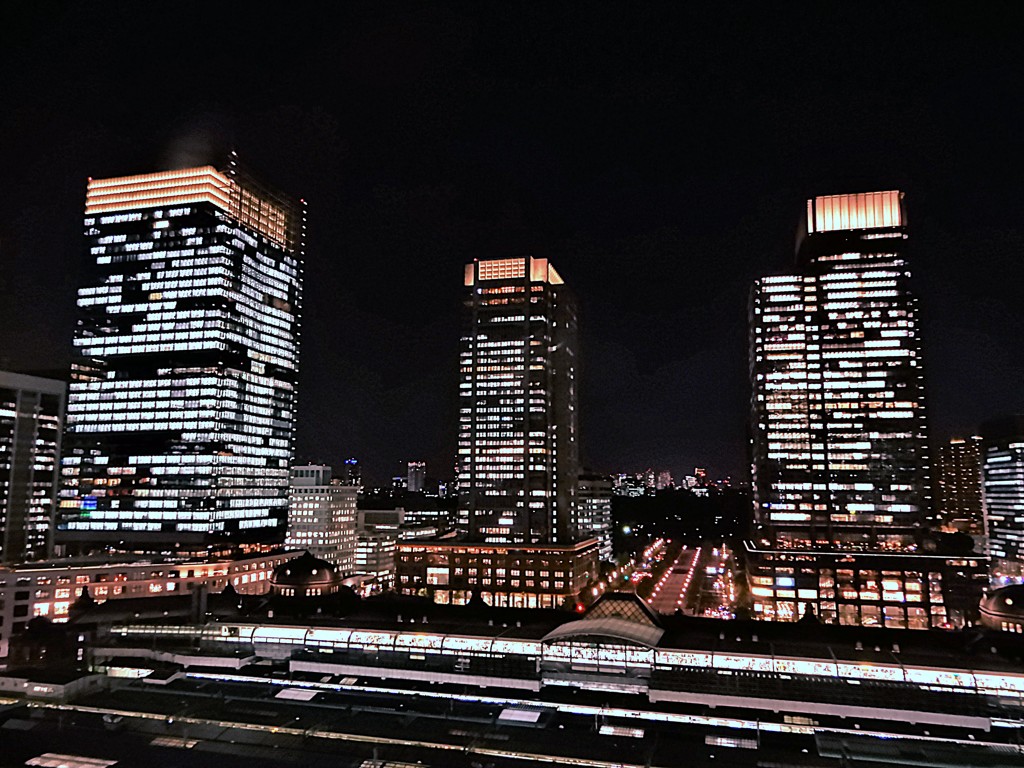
x=621 y=661
x=508 y=575
x=375 y=557
x=48 y=589
x=897 y=590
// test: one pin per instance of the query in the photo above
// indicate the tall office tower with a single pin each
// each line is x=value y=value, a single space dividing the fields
x=416 y=478
x=322 y=516
x=353 y=473
x=180 y=436
x=517 y=406
x=665 y=480
x=31 y=422
x=840 y=453
x=958 y=491
x=1004 y=496
x=517 y=468
x=840 y=456
x=594 y=501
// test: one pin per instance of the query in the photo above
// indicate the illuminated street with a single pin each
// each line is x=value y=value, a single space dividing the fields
x=715 y=595
x=699 y=582
x=671 y=591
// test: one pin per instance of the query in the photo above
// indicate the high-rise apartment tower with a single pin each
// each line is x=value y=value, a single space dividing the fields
x=180 y=436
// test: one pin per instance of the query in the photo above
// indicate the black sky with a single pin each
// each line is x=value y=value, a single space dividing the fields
x=658 y=154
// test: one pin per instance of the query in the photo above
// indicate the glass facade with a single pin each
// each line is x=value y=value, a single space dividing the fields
x=839 y=442
x=1004 y=496
x=517 y=405
x=838 y=414
x=181 y=433
x=895 y=590
x=31 y=420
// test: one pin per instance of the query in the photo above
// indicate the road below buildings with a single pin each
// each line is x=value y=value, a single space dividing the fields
x=713 y=593
x=671 y=593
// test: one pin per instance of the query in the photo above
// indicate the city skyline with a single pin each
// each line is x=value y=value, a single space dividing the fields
x=701 y=214
x=495 y=384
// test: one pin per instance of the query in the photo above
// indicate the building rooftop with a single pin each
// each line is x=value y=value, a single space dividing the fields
x=972 y=649
x=106 y=562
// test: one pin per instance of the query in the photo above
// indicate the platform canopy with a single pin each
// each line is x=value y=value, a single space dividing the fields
x=605 y=629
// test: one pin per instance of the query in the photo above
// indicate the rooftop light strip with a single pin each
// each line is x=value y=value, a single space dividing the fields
x=192 y=185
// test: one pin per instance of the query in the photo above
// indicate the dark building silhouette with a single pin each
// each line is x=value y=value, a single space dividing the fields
x=958 y=487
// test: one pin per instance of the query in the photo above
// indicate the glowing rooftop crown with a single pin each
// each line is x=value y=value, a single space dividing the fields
x=204 y=184
x=864 y=210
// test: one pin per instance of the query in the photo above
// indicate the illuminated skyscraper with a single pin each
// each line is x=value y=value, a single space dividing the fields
x=840 y=456
x=519 y=539
x=517 y=406
x=416 y=476
x=31 y=421
x=1004 y=496
x=181 y=435
x=840 y=452
x=958 y=490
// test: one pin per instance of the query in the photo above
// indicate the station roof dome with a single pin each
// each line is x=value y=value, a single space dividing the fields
x=1003 y=605
x=303 y=573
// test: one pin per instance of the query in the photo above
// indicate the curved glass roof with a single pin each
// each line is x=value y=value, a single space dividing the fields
x=628 y=632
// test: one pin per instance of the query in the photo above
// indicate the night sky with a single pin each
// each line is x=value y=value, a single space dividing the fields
x=659 y=155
